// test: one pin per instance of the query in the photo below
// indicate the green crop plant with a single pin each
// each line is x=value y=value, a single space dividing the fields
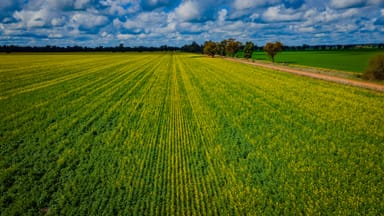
x=343 y=60
x=183 y=134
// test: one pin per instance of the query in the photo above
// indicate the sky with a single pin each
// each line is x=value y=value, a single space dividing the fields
x=95 y=23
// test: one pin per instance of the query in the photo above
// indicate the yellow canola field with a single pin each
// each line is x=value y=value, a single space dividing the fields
x=183 y=134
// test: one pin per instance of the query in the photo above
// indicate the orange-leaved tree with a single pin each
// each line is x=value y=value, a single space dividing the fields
x=210 y=48
x=273 y=48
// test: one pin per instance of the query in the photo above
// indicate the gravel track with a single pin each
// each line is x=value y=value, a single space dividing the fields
x=358 y=83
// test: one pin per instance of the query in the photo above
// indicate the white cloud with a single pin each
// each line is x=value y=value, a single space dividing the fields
x=125 y=36
x=343 y=4
x=87 y=20
x=244 y=8
x=32 y=19
x=188 y=11
x=329 y=16
x=58 y=21
x=340 y=4
x=170 y=28
x=198 y=10
x=302 y=28
x=144 y=22
x=81 y=4
x=105 y=35
x=254 y=16
x=163 y=21
x=281 y=14
x=320 y=35
x=222 y=15
x=55 y=35
x=189 y=28
x=247 y=4
x=120 y=7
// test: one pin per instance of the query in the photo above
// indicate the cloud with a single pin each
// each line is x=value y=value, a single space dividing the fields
x=145 y=22
x=125 y=36
x=281 y=14
x=197 y=10
x=330 y=16
x=344 y=4
x=189 y=11
x=87 y=21
x=81 y=4
x=248 y=4
x=7 y=8
x=189 y=28
x=379 y=21
x=119 y=7
x=153 y=4
x=55 y=35
x=153 y=22
x=32 y=19
x=58 y=21
x=302 y=28
x=67 y=5
x=222 y=15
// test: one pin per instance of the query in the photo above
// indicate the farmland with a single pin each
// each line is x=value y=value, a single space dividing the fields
x=183 y=134
x=344 y=60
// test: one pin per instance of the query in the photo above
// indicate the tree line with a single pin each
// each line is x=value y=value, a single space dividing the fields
x=194 y=47
x=231 y=47
x=119 y=48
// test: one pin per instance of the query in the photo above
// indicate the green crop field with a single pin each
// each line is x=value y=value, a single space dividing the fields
x=344 y=60
x=182 y=134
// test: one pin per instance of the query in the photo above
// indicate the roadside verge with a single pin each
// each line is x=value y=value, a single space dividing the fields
x=351 y=82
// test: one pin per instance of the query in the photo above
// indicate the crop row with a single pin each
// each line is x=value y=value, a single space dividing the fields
x=283 y=134
x=180 y=134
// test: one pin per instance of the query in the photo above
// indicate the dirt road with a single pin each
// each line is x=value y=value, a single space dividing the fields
x=358 y=83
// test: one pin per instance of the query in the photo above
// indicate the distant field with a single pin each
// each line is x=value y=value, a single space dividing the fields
x=182 y=134
x=349 y=60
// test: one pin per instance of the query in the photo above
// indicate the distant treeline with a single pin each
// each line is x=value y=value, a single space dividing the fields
x=193 y=47
x=306 y=47
x=120 y=48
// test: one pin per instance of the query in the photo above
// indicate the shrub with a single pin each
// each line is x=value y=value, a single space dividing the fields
x=375 y=69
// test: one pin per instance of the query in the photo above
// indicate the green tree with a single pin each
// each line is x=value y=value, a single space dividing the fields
x=232 y=47
x=248 y=49
x=273 y=48
x=210 y=48
x=375 y=69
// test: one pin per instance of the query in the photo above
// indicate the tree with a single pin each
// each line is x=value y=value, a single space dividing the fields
x=248 y=49
x=193 y=47
x=375 y=69
x=210 y=48
x=273 y=48
x=121 y=47
x=232 y=47
x=221 y=47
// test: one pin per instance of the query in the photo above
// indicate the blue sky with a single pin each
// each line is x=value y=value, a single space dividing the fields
x=175 y=23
